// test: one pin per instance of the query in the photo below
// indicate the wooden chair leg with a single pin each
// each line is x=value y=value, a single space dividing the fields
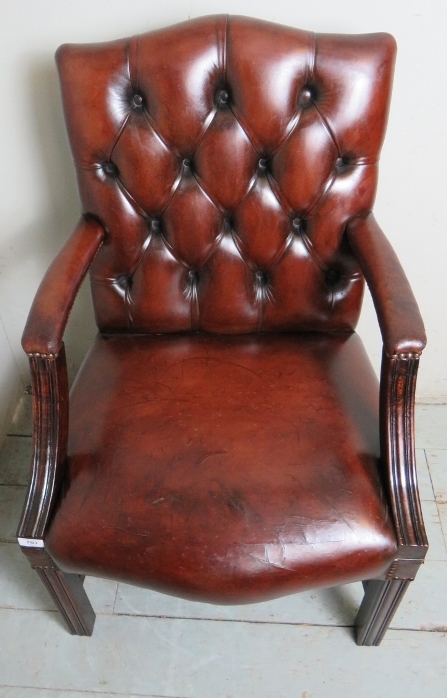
x=66 y=590
x=377 y=609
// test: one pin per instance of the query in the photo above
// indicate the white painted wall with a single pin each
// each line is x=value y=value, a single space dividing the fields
x=39 y=201
x=10 y=383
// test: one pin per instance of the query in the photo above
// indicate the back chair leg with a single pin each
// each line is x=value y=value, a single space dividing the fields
x=66 y=590
x=377 y=609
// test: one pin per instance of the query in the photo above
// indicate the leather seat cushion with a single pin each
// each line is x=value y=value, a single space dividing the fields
x=226 y=469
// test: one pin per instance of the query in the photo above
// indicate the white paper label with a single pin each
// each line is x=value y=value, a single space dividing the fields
x=31 y=542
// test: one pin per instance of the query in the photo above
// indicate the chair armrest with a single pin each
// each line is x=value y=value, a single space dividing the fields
x=42 y=340
x=56 y=294
x=404 y=338
x=397 y=311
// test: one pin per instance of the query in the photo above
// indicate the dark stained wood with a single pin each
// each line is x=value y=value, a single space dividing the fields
x=377 y=609
x=66 y=590
x=397 y=395
x=50 y=411
x=382 y=597
x=50 y=417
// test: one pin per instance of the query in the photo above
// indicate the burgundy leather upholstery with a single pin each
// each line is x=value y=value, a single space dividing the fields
x=56 y=294
x=227 y=169
x=226 y=469
x=397 y=311
x=224 y=158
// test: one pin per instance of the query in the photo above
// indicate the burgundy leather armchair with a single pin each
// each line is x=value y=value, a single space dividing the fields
x=224 y=439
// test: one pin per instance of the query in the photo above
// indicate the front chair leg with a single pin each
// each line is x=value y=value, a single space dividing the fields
x=377 y=609
x=66 y=590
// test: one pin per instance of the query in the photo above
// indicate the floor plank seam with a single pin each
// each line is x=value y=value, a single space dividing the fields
x=236 y=620
x=114 y=600
x=429 y=473
x=90 y=692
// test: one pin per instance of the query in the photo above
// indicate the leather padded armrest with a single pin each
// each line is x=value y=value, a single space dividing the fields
x=397 y=311
x=57 y=291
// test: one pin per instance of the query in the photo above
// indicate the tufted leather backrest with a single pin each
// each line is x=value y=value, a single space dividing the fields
x=224 y=158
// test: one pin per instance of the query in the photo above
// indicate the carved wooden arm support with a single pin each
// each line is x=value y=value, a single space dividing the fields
x=42 y=340
x=397 y=393
x=403 y=340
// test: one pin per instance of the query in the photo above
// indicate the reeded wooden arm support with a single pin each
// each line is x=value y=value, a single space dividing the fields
x=50 y=407
x=397 y=394
x=382 y=596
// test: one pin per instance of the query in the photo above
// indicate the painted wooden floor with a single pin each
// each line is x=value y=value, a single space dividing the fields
x=148 y=644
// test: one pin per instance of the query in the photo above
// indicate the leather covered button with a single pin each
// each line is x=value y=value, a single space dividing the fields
x=296 y=223
x=187 y=164
x=306 y=97
x=155 y=226
x=342 y=163
x=124 y=281
x=263 y=164
x=222 y=98
x=110 y=169
x=137 y=101
x=332 y=276
x=261 y=277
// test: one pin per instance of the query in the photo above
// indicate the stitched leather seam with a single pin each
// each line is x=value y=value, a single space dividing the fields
x=312 y=57
x=205 y=127
x=120 y=131
x=280 y=196
x=132 y=61
x=290 y=129
x=128 y=196
x=153 y=126
x=223 y=41
x=251 y=138
x=201 y=184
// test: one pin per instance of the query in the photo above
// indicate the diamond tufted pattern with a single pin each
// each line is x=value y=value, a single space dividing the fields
x=224 y=158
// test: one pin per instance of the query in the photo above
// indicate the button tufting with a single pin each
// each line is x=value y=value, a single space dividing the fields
x=155 y=226
x=332 y=275
x=193 y=276
x=187 y=164
x=124 y=281
x=222 y=98
x=110 y=169
x=137 y=101
x=261 y=277
x=227 y=224
x=263 y=164
x=296 y=223
x=305 y=99
x=342 y=162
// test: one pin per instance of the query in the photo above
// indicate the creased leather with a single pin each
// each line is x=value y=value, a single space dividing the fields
x=226 y=469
